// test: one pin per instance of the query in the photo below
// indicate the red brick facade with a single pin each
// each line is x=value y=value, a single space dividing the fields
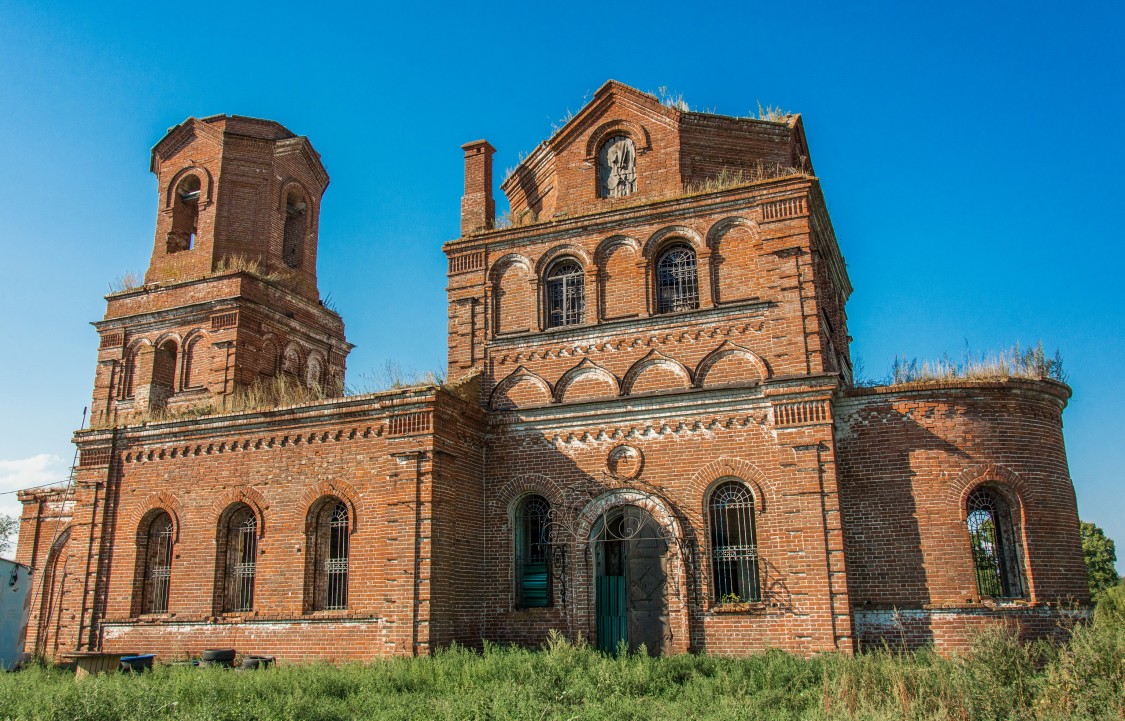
x=653 y=354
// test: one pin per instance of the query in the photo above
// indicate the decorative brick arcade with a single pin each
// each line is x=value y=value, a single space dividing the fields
x=649 y=433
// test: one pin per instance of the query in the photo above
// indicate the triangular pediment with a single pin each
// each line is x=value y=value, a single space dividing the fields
x=615 y=106
x=612 y=102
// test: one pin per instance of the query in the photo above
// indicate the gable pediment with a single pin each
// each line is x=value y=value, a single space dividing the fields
x=614 y=108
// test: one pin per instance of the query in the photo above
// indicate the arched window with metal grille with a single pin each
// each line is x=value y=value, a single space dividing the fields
x=238 y=554
x=734 y=544
x=677 y=287
x=156 y=556
x=329 y=541
x=533 y=553
x=994 y=544
x=566 y=293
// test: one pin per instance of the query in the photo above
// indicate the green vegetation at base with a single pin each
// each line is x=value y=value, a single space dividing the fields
x=1000 y=678
x=1100 y=555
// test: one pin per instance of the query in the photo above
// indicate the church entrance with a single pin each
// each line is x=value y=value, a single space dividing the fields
x=630 y=581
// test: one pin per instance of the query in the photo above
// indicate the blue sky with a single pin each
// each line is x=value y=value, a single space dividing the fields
x=970 y=155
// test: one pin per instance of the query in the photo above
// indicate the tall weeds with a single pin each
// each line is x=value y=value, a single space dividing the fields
x=1030 y=362
x=999 y=678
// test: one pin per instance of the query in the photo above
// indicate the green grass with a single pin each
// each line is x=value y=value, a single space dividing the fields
x=1000 y=679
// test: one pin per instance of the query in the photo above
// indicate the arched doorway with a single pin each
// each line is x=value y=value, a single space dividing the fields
x=630 y=581
x=51 y=587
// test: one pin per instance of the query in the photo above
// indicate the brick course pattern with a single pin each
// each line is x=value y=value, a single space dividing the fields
x=858 y=495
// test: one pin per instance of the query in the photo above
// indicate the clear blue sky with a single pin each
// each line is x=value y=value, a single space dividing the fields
x=971 y=156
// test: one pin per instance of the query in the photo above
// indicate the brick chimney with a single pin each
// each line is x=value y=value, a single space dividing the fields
x=478 y=209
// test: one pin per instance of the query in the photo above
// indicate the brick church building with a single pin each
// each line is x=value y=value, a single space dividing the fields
x=649 y=432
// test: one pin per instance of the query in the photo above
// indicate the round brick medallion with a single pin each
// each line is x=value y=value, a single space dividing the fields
x=625 y=462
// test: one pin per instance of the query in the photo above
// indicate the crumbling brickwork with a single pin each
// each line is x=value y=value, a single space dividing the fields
x=651 y=352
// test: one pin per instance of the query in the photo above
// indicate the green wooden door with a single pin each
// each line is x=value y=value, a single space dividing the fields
x=630 y=582
x=611 y=612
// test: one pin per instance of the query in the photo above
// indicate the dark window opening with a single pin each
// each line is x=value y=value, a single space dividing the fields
x=676 y=285
x=157 y=555
x=566 y=294
x=329 y=551
x=734 y=545
x=163 y=374
x=239 y=557
x=185 y=215
x=533 y=553
x=293 y=245
x=994 y=544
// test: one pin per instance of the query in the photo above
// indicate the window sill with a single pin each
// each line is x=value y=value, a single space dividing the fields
x=332 y=613
x=729 y=608
x=1001 y=602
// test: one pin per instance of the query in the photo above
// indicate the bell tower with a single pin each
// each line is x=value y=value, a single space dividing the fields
x=230 y=298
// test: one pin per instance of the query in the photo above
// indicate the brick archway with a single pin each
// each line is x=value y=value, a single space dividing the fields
x=727 y=467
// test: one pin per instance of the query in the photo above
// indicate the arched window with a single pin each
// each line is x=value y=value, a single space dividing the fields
x=185 y=215
x=156 y=555
x=193 y=352
x=566 y=293
x=293 y=244
x=533 y=553
x=163 y=373
x=238 y=555
x=291 y=361
x=734 y=545
x=129 y=375
x=268 y=359
x=676 y=286
x=314 y=374
x=328 y=553
x=994 y=544
x=617 y=168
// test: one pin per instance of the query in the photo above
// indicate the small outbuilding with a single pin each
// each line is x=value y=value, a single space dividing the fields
x=15 y=600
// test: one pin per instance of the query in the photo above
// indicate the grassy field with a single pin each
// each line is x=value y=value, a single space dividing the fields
x=1000 y=679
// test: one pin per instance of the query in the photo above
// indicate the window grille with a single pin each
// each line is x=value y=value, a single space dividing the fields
x=533 y=553
x=676 y=285
x=242 y=553
x=990 y=533
x=734 y=545
x=158 y=566
x=566 y=294
x=336 y=563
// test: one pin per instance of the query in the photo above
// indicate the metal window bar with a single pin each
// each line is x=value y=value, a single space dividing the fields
x=533 y=554
x=243 y=566
x=160 y=565
x=336 y=563
x=566 y=294
x=987 y=542
x=676 y=285
x=734 y=546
